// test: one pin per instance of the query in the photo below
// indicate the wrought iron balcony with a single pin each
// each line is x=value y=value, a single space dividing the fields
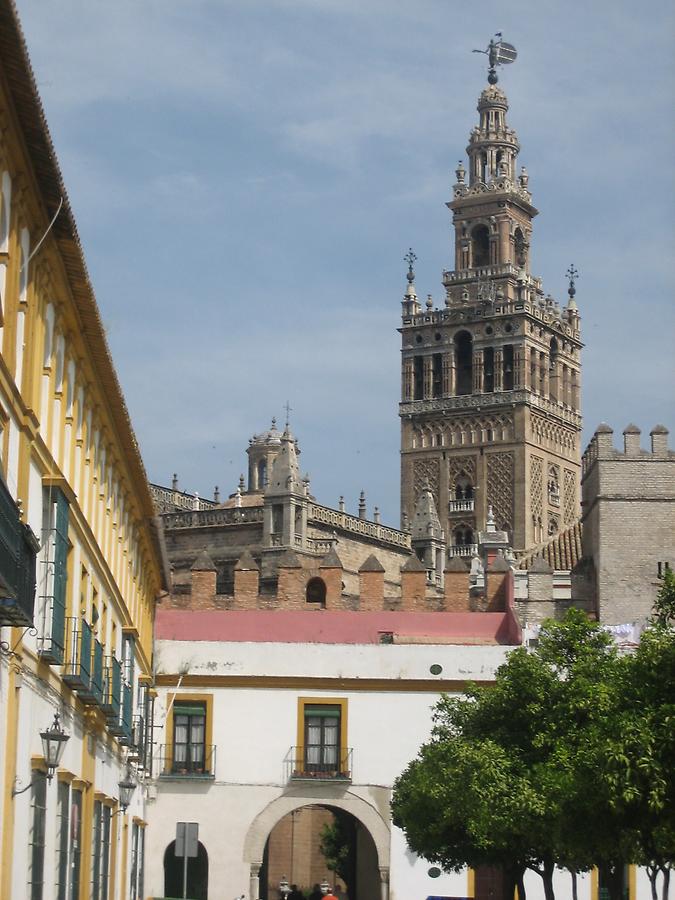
x=77 y=664
x=137 y=743
x=186 y=761
x=319 y=764
x=112 y=689
x=18 y=548
x=120 y=724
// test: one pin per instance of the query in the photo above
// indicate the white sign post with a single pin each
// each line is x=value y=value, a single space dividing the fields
x=187 y=843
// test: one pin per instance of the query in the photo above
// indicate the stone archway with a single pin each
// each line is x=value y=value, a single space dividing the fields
x=364 y=812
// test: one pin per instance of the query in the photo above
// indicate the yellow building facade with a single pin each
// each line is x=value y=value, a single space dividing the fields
x=81 y=555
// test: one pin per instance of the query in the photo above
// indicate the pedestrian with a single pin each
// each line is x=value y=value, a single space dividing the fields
x=316 y=893
x=295 y=894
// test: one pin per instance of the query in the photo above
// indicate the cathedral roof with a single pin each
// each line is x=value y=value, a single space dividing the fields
x=562 y=552
x=271 y=436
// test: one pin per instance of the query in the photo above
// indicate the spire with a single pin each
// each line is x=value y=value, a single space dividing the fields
x=285 y=475
x=426 y=523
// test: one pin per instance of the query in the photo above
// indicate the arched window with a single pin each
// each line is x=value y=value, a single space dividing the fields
x=480 y=246
x=553 y=369
x=463 y=487
x=262 y=474
x=488 y=370
x=316 y=591
x=464 y=362
x=507 y=373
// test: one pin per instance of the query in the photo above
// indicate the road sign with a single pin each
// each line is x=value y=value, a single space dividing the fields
x=187 y=839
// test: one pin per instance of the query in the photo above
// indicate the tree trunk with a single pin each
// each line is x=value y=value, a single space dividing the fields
x=612 y=879
x=653 y=874
x=547 y=876
x=575 y=888
x=513 y=881
x=666 y=882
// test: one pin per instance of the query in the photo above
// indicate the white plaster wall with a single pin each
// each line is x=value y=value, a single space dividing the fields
x=397 y=661
x=409 y=876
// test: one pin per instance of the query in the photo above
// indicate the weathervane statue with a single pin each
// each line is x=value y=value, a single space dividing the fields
x=499 y=53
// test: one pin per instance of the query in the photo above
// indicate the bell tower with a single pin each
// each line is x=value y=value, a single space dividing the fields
x=490 y=401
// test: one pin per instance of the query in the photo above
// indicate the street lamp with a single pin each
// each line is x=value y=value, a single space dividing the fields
x=284 y=887
x=54 y=740
x=126 y=788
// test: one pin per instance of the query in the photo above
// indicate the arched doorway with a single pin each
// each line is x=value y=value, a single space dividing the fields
x=371 y=838
x=319 y=843
x=197 y=873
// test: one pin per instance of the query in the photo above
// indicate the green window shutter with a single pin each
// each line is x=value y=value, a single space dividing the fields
x=189 y=709
x=60 y=572
x=322 y=711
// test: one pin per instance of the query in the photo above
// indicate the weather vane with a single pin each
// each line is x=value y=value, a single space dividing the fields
x=499 y=53
x=410 y=258
x=572 y=274
x=289 y=410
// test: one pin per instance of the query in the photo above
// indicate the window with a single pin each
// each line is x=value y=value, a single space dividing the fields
x=36 y=838
x=464 y=361
x=480 y=245
x=54 y=575
x=322 y=739
x=136 y=891
x=316 y=591
x=100 y=851
x=189 y=737
x=62 y=839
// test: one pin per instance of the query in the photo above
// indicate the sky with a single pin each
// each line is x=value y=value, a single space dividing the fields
x=247 y=176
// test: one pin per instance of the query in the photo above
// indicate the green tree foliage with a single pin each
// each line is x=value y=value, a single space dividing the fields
x=566 y=760
x=337 y=844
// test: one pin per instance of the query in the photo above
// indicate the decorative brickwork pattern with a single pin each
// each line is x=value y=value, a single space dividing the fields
x=569 y=497
x=500 y=473
x=426 y=470
x=462 y=432
x=461 y=465
x=537 y=486
x=550 y=434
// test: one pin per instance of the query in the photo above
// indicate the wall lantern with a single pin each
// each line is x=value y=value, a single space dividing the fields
x=126 y=788
x=54 y=742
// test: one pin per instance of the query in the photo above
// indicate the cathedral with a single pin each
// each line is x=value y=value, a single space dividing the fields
x=220 y=682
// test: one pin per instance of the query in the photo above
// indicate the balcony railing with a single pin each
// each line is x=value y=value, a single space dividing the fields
x=77 y=666
x=457 y=506
x=186 y=761
x=18 y=548
x=137 y=744
x=120 y=724
x=463 y=550
x=112 y=689
x=319 y=764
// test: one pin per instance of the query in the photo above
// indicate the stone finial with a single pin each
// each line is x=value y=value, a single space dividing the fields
x=174 y=482
x=631 y=440
x=376 y=515
x=430 y=302
x=490 y=523
x=460 y=172
x=362 y=505
x=237 y=497
x=524 y=178
x=659 y=437
x=242 y=482
x=603 y=438
x=203 y=563
x=405 y=522
x=216 y=494
x=195 y=501
x=341 y=503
